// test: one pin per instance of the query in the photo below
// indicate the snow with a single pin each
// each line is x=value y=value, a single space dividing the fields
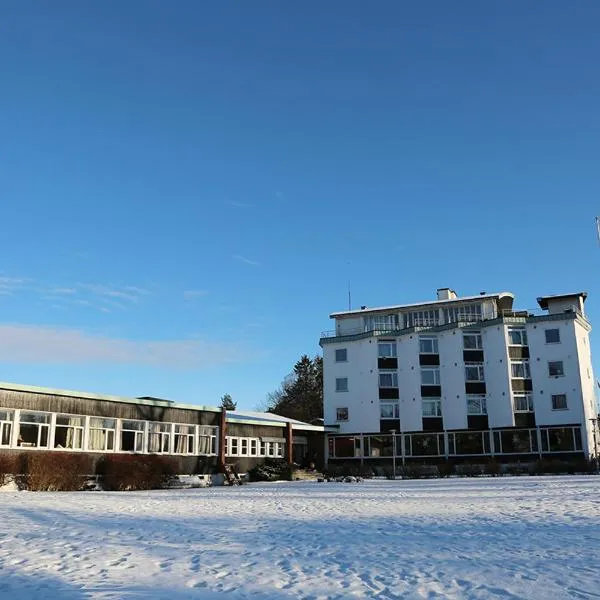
x=521 y=537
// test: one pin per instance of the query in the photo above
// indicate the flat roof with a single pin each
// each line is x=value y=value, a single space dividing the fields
x=250 y=417
x=349 y=313
x=543 y=300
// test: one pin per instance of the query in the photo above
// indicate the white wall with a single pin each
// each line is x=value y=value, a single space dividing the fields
x=362 y=398
x=409 y=381
x=497 y=376
x=452 y=376
x=545 y=386
x=588 y=385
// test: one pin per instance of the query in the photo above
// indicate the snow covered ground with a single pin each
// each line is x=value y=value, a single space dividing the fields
x=460 y=538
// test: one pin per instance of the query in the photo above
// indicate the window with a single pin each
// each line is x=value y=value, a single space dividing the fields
x=34 y=429
x=552 y=336
x=244 y=447
x=466 y=312
x=422 y=318
x=382 y=323
x=474 y=372
x=472 y=341
x=341 y=355
x=271 y=448
x=253 y=447
x=387 y=350
x=428 y=345
x=517 y=336
x=523 y=403
x=102 y=434
x=6 y=419
x=207 y=440
x=184 y=439
x=341 y=414
x=341 y=384
x=132 y=436
x=432 y=407
x=476 y=405
x=388 y=380
x=278 y=449
x=263 y=448
x=233 y=446
x=159 y=438
x=68 y=432
x=389 y=410
x=520 y=369
x=559 y=402
x=430 y=377
x=555 y=368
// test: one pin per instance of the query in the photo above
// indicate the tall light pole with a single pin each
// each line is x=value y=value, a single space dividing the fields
x=393 y=432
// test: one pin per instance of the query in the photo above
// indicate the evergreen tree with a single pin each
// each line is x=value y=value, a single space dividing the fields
x=300 y=395
x=227 y=403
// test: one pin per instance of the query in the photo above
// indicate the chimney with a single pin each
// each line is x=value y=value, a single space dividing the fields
x=446 y=294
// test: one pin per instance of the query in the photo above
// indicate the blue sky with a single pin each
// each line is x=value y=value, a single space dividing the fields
x=186 y=188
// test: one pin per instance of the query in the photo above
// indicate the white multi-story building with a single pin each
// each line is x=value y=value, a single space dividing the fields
x=461 y=377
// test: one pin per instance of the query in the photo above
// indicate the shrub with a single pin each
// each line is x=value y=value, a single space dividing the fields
x=272 y=469
x=9 y=467
x=493 y=468
x=56 y=471
x=123 y=472
x=446 y=469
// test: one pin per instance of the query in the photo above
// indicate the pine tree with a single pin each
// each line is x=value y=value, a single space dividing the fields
x=227 y=403
x=300 y=395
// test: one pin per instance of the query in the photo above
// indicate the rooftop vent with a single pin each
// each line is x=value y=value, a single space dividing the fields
x=363 y=307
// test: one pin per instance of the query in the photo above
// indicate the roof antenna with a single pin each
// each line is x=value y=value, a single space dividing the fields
x=349 y=296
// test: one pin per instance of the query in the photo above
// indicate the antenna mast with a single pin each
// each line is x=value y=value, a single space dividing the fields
x=350 y=296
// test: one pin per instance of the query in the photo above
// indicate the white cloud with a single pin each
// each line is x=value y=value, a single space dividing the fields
x=9 y=285
x=241 y=204
x=110 y=292
x=245 y=260
x=31 y=344
x=191 y=294
x=63 y=291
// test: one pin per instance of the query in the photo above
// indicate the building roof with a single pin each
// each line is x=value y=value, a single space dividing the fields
x=258 y=418
x=266 y=418
x=362 y=311
x=543 y=300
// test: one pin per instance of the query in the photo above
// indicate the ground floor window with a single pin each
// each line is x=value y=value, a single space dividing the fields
x=102 y=434
x=68 y=432
x=132 y=436
x=207 y=440
x=184 y=439
x=159 y=438
x=34 y=430
x=6 y=424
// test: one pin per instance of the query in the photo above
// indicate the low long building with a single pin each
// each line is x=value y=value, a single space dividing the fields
x=461 y=378
x=201 y=438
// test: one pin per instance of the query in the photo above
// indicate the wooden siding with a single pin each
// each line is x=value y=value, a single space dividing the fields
x=254 y=431
x=104 y=408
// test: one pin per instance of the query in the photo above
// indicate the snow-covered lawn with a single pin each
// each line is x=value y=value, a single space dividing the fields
x=461 y=538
